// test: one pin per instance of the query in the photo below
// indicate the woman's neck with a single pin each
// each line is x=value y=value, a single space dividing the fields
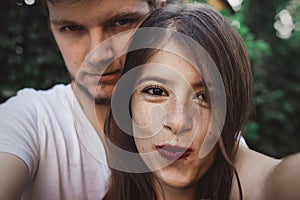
x=168 y=193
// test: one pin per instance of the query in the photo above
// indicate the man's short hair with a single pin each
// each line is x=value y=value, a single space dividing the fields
x=151 y=3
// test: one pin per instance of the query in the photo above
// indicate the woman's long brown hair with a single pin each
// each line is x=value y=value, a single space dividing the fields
x=216 y=35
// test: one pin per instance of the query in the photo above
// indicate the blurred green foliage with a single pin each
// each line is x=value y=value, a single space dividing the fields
x=29 y=58
x=275 y=126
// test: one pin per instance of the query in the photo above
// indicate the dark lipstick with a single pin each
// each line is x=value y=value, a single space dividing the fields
x=173 y=153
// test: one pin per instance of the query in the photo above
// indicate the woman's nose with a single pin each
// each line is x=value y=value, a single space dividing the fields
x=179 y=117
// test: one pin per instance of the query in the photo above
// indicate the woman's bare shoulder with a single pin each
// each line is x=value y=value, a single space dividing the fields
x=254 y=169
x=249 y=159
x=283 y=182
x=266 y=178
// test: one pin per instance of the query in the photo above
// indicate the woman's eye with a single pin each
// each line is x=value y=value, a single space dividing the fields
x=202 y=98
x=155 y=91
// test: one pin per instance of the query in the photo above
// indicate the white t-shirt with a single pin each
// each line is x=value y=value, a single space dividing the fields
x=50 y=132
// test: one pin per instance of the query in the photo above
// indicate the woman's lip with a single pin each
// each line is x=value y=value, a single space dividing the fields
x=173 y=153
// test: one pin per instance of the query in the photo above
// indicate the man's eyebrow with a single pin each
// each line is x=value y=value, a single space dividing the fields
x=59 y=22
x=133 y=14
x=124 y=14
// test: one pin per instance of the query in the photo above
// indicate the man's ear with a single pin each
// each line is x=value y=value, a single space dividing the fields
x=48 y=24
x=163 y=3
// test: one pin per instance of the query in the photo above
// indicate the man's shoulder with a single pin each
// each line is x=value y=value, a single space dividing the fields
x=31 y=103
x=34 y=96
x=59 y=89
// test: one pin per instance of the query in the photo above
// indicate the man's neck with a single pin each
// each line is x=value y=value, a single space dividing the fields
x=96 y=113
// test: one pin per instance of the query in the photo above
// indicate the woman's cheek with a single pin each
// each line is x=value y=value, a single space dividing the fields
x=140 y=114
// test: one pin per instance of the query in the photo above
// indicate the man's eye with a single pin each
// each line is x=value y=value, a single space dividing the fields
x=155 y=91
x=72 y=28
x=124 y=22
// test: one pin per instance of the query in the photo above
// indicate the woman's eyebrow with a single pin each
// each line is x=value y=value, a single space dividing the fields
x=200 y=84
x=153 y=78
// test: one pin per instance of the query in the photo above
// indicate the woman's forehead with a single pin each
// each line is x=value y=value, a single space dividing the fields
x=166 y=62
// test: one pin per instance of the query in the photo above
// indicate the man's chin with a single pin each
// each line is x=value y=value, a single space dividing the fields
x=102 y=101
x=101 y=96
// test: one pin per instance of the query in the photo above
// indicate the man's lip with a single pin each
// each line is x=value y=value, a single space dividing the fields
x=111 y=73
x=112 y=76
x=173 y=153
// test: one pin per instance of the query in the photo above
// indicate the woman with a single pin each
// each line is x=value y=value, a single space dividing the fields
x=173 y=130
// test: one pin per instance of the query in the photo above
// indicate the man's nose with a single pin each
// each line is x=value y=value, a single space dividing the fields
x=179 y=117
x=100 y=52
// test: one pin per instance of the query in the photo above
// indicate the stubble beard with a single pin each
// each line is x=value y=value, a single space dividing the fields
x=104 y=100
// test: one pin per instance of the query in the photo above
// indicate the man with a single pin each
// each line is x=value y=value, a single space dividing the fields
x=50 y=146
x=161 y=3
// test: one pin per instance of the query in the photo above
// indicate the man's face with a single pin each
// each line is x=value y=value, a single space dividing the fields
x=80 y=28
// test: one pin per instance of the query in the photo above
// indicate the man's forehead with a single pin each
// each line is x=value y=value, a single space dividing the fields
x=112 y=5
x=100 y=10
x=151 y=3
x=67 y=2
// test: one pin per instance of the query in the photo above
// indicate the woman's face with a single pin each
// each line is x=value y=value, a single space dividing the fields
x=171 y=115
